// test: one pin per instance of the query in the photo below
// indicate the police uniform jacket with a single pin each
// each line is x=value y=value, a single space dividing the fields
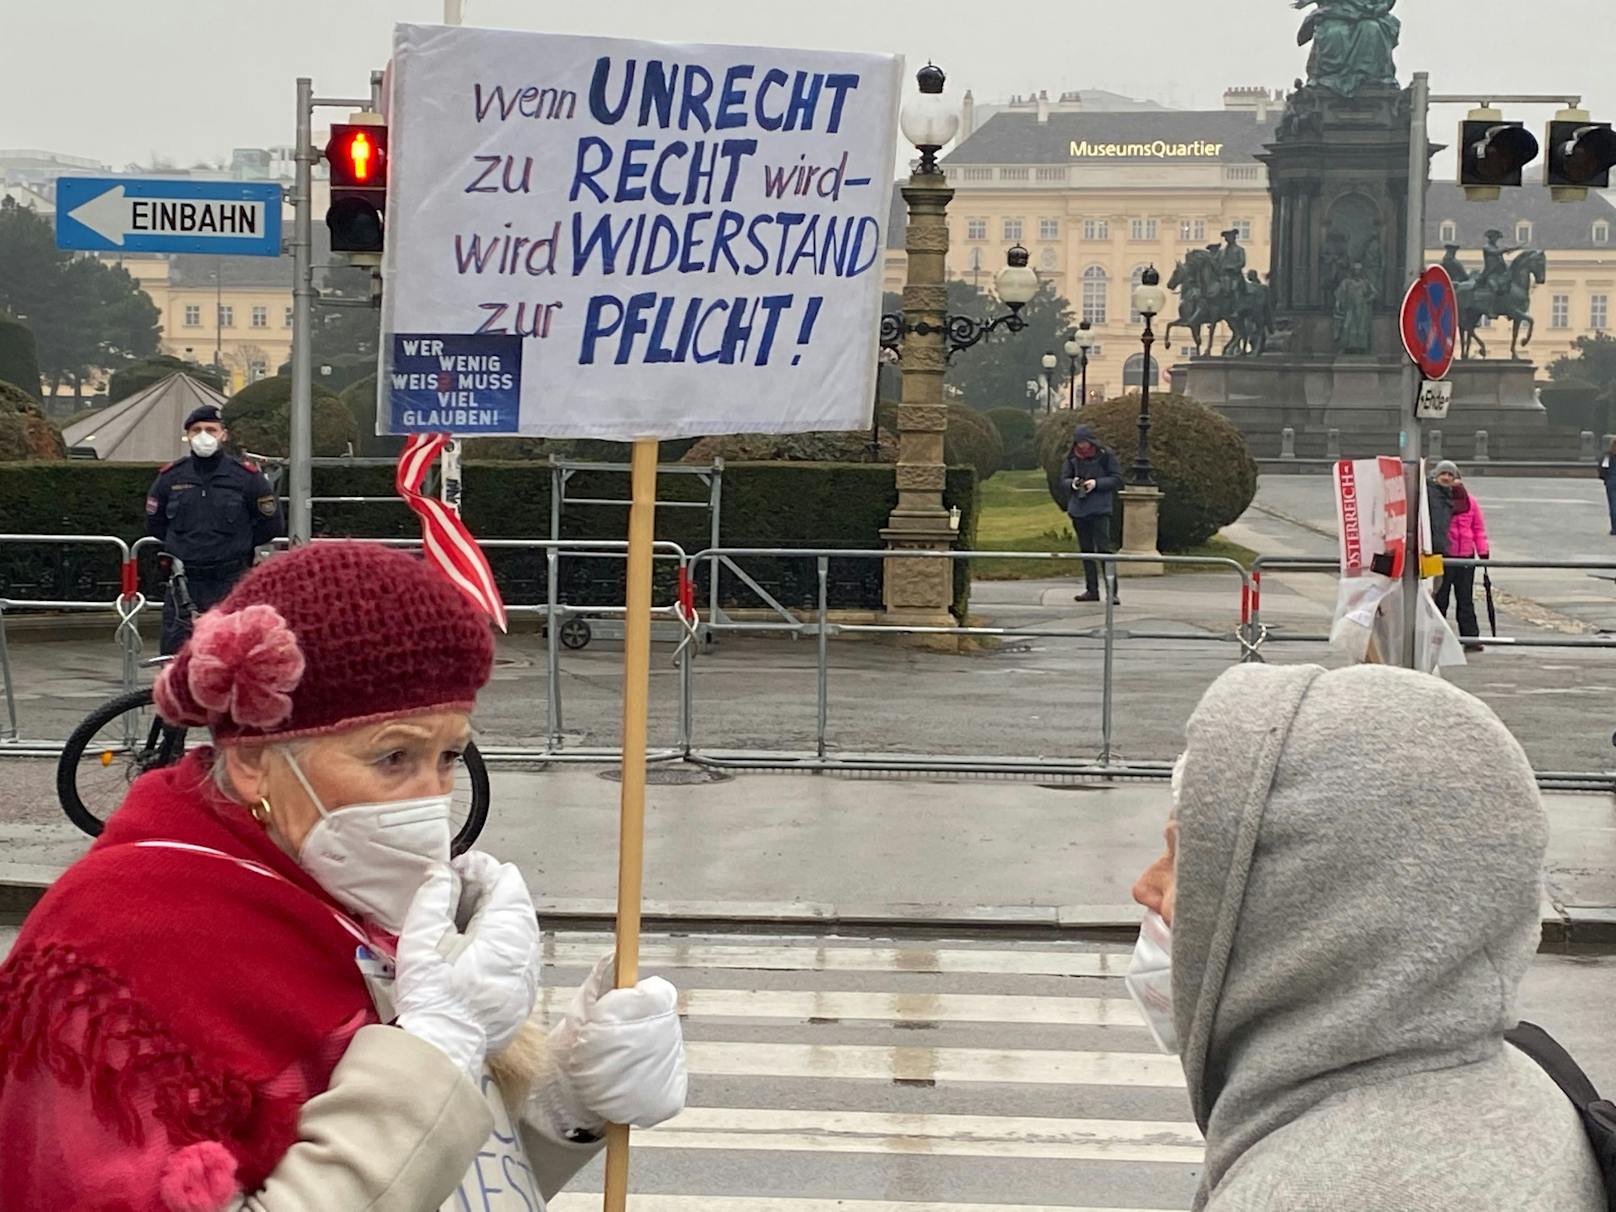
x=213 y=512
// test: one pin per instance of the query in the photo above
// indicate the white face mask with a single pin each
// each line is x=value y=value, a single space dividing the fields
x=1150 y=980
x=372 y=858
x=204 y=444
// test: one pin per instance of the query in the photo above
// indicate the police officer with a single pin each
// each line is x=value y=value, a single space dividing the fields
x=211 y=510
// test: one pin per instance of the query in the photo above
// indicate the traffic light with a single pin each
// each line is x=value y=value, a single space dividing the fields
x=1580 y=155
x=1492 y=153
x=357 y=155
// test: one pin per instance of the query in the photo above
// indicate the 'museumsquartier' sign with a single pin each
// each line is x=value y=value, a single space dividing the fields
x=610 y=238
x=1161 y=148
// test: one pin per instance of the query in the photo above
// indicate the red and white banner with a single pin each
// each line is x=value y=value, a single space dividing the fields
x=449 y=545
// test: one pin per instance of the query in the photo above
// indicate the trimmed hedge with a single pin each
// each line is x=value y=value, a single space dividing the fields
x=24 y=431
x=19 y=357
x=1202 y=463
x=764 y=505
x=260 y=419
x=360 y=400
x=1019 y=433
x=821 y=446
x=138 y=376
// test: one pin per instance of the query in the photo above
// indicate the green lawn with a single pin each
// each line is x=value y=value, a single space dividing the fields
x=1018 y=515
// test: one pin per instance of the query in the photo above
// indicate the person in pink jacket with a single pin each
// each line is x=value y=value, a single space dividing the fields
x=1467 y=540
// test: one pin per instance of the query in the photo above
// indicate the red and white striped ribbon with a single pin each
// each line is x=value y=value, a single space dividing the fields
x=448 y=543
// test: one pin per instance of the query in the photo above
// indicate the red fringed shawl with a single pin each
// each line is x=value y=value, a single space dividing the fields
x=159 y=998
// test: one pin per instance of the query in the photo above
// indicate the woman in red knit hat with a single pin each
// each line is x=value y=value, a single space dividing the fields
x=267 y=986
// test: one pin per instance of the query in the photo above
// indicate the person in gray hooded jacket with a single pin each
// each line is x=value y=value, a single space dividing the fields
x=1351 y=909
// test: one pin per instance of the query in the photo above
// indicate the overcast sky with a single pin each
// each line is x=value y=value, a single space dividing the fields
x=119 y=80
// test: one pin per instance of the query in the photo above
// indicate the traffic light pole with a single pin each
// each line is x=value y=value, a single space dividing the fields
x=300 y=489
x=300 y=453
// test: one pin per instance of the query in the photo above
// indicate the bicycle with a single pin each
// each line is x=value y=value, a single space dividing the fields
x=125 y=737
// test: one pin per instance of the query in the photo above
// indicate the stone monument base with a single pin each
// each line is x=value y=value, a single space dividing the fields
x=1351 y=407
x=1141 y=514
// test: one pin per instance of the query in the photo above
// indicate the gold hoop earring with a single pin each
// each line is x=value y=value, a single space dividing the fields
x=261 y=811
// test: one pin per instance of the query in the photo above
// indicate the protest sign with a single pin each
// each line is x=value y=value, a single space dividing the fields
x=649 y=239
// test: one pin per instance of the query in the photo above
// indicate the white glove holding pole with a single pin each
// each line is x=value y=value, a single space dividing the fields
x=431 y=998
x=499 y=961
x=619 y=1058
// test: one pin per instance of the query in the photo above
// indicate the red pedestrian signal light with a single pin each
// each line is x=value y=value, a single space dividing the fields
x=360 y=153
x=357 y=156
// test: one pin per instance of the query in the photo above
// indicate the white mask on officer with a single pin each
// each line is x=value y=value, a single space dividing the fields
x=204 y=444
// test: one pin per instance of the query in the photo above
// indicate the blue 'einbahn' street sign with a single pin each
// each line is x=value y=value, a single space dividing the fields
x=142 y=214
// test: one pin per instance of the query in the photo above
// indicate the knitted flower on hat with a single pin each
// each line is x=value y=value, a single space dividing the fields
x=326 y=637
x=244 y=665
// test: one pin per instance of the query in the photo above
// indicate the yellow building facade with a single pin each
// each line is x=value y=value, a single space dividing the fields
x=1095 y=196
x=240 y=320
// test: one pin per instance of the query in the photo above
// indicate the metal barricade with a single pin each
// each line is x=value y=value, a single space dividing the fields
x=1332 y=565
x=822 y=629
x=127 y=606
x=1249 y=637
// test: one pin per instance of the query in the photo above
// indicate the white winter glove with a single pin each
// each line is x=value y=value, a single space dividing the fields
x=619 y=1058
x=430 y=998
x=499 y=960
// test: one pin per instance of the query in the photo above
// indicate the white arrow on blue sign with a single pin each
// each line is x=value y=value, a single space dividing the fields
x=142 y=214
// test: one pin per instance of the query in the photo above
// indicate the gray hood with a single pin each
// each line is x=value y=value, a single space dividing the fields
x=1359 y=874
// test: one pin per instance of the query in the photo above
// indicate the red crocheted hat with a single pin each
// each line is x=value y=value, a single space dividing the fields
x=326 y=637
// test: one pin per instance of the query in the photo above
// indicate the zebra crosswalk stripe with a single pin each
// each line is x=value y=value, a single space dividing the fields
x=754 y=1128
x=793 y=957
x=822 y=1005
x=907 y=1064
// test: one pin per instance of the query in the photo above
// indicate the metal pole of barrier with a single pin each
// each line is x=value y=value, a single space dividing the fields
x=10 y=733
x=1108 y=591
x=552 y=642
x=686 y=676
x=824 y=653
x=1255 y=628
x=712 y=565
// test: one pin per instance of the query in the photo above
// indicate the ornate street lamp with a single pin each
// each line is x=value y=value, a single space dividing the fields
x=927 y=120
x=1049 y=362
x=1148 y=300
x=1078 y=344
x=1015 y=284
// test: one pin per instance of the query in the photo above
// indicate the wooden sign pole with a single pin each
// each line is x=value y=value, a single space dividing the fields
x=636 y=694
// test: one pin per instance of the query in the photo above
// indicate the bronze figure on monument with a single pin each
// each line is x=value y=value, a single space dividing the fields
x=1353 y=44
x=1354 y=311
x=1502 y=290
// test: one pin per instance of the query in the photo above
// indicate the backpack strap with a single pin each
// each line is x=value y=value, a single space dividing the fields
x=1598 y=1115
x=1556 y=1062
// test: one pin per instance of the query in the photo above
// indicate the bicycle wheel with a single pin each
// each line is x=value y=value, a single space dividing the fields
x=117 y=743
x=468 y=812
